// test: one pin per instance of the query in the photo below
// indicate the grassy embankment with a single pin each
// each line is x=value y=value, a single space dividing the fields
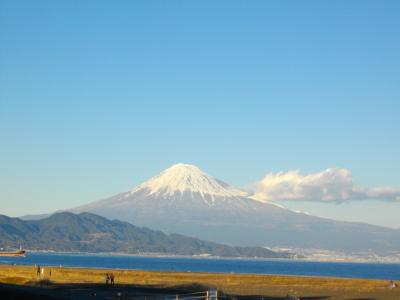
x=229 y=284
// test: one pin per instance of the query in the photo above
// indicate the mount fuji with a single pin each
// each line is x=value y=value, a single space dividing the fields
x=184 y=199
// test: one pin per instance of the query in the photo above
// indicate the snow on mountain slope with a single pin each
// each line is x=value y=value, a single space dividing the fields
x=180 y=196
x=182 y=178
x=182 y=186
x=184 y=199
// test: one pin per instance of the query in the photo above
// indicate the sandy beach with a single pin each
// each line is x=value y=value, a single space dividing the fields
x=22 y=282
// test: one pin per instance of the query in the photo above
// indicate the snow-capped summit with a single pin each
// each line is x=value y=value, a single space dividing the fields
x=184 y=199
x=181 y=178
x=181 y=185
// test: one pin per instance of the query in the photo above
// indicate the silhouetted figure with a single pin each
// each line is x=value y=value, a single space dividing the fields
x=38 y=271
x=107 y=278
x=112 y=278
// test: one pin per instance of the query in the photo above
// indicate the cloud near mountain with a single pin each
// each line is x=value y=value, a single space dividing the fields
x=186 y=200
x=331 y=185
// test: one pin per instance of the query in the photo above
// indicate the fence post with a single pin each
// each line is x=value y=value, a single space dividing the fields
x=177 y=297
x=216 y=295
x=207 y=295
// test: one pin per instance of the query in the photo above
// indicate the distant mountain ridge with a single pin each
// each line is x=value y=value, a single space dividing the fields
x=184 y=199
x=87 y=232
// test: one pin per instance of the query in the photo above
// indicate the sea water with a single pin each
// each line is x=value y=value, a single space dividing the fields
x=217 y=265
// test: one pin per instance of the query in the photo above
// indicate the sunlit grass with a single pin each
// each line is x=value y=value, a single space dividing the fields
x=233 y=284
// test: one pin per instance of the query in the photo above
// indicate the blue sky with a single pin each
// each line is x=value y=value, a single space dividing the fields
x=97 y=96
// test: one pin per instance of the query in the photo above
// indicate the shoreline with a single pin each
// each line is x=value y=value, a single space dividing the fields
x=209 y=265
x=196 y=272
x=156 y=255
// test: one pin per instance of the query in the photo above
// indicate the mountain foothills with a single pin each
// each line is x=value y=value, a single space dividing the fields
x=185 y=200
x=91 y=233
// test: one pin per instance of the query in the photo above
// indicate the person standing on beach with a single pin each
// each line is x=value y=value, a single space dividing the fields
x=112 y=278
x=38 y=271
x=107 y=278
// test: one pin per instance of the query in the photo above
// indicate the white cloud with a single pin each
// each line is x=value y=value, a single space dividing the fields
x=330 y=185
